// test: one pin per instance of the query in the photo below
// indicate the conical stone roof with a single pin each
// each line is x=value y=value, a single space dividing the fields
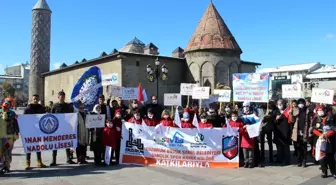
x=212 y=33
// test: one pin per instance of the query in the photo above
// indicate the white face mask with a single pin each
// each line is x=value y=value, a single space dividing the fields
x=154 y=101
x=150 y=116
x=234 y=118
x=320 y=113
x=165 y=116
x=300 y=106
x=137 y=117
x=246 y=109
x=203 y=120
x=186 y=119
x=135 y=105
x=118 y=115
x=280 y=107
x=227 y=110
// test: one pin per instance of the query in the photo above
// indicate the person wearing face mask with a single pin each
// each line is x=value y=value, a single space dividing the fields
x=155 y=106
x=150 y=119
x=300 y=131
x=9 y=130
x=249 y=117
x=108 y=138
x=204 y=123
x=136 y=119
x=282 y=134
x=166 y=119
x=180 y=111
x=82 y=135
x=323 y=127
x=227 y=111
x=96 y=139
x=235 y=122
x=133 y=107
x=117 y=125
x=186 y=122
x=213 y=118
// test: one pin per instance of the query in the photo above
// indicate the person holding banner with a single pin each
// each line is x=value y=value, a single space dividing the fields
x=108 y=138
x=235 y=122
x=136 y=118
x=96 y=139
x=186 y=122
x=60 y=108
x=83 y=135
x=324 y=130
x=166 y=120
x=34 y=108
x=9 y=130
x=150 y=119
x=204 y=123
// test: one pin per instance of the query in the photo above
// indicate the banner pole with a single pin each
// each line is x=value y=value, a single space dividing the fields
x=220 y=106
x=188 y=101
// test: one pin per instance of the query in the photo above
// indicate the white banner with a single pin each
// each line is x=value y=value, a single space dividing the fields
x=43 y=132
x=291 y=91
x=95 y=120
x=187 y=89
x=325 y=96
x=172 y=99
x=129 y=93
x=201 y=93
x=116 y=91
x=223 y=95
x=176 y=147
x=110 y=79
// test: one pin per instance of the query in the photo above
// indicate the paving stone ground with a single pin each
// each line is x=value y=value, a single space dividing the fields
x=124 y=175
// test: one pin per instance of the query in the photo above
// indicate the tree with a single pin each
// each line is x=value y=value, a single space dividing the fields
x=8 y=89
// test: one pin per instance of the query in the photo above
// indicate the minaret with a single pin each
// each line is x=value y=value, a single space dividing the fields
x=40 y=48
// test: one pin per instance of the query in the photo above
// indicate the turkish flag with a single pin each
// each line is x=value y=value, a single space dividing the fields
x=140 y=94
x=286 y=114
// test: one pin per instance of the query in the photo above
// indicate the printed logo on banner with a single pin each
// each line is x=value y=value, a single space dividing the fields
x=199 y=138
x=325 y=93
x=176 y=140
x=134 y=146
x=48 y=124
x=230 y=146
x=114 y=78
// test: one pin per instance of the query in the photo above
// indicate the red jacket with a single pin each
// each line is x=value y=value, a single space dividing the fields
x=187 y=124
x=117 y=123
x=236 y=124
x=151 y=122
x=205 y=125
x=132 y=120
x=246 y=141
x=167 y=122
x=108 y=139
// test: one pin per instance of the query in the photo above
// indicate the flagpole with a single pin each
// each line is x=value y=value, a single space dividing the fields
x=188 y=101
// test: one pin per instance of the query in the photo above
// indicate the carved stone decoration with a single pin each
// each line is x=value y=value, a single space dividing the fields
x=40 y=47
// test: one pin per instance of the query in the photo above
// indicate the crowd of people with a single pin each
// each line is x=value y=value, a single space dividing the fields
x=299 y=123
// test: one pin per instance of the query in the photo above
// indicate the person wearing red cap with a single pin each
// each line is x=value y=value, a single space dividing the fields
x=9 y=129
x=117 y=127
x=323 y=128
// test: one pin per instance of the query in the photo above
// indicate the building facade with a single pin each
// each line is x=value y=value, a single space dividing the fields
x=211 y=57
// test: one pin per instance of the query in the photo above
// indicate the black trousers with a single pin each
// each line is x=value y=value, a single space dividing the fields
x=262 y=146
x=54 y=155
x=38 y=155
x=98 y=154
x=256 y=152
x=116 y=151
x=283 y=153
x=301 y=151
x=81 y=152
x=328 y=161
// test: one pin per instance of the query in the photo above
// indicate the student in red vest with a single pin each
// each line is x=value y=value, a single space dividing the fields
x=150 y=120
x=186 y=122
x=108 y=138
x=136 y=118
x=166 y=119
x=117 y=125
x=204 y=123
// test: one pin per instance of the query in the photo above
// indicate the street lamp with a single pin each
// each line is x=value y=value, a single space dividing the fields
x=157 y=74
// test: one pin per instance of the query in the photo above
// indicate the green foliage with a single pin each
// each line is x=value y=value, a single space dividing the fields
x=8 y=89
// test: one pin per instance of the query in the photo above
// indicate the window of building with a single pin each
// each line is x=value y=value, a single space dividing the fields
x=18 y=86
x=137 y=63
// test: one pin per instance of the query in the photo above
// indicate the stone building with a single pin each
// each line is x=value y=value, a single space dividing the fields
x=211 y=56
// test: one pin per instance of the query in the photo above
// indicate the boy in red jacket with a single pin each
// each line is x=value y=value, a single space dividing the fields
x=108 y=138
x=186 y=122
x=235 y=122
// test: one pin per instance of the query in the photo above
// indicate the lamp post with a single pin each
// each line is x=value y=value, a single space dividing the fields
x=157 y=74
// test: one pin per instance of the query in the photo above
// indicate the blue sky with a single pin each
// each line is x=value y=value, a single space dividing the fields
x=271 y=32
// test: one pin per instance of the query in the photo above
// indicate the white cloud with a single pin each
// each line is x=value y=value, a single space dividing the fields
x=56 y=65
x=330 y=36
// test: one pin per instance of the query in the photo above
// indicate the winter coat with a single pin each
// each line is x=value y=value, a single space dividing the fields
x=133 y=120
x=246 y=141
x=325 y=125
x=151 y=122
x=9 y=126
x=117 y=123
x=83 y=132
x=214 y=119
x=35 y=109
x=108 y=139
x=167 y=122
x=62 y=108
x=282 y=130
x=187 y=124
x=205 y=125
x=295 y=119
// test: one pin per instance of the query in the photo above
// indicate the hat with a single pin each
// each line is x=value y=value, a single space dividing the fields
x=246 y=104
x=117 y=111
x=186 y=115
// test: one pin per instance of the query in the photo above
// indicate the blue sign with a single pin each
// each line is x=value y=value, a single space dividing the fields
x=48 y=124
